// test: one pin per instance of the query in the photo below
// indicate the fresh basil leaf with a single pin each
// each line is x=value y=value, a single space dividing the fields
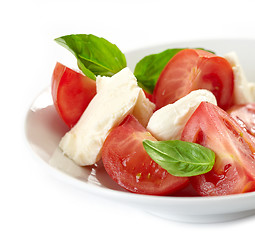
x=85 y=70
x=179 y=158
x=95 y=56
x=149 y=68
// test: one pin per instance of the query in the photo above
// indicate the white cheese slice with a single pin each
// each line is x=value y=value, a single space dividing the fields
x=168 y=122
x=143 y=108
x=244 y=91
x=115 y=99
x=102 y=82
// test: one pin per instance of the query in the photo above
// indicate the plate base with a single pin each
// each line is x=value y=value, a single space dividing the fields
x=211 y=218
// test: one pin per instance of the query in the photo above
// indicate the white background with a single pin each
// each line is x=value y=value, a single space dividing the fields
x=35 y=205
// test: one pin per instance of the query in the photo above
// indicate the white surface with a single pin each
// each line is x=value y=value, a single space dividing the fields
x=33 y=204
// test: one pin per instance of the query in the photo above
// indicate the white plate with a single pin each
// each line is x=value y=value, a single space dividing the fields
x=44 y=130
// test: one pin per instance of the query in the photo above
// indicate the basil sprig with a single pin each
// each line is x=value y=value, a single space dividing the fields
x=179 y=158
x=95 y=55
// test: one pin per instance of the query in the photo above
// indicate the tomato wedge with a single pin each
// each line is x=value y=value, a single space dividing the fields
x=234 y=169
x=71 y=92
x=193 y=69
x=127 y=162
x=245 y=115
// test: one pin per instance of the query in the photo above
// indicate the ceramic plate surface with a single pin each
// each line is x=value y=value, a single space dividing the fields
x=44 y=130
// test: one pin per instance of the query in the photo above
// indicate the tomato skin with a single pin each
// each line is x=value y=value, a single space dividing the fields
x=193 y=69
x=127 y=162
x=244 y=114
x=71 y=93
x=234 y=168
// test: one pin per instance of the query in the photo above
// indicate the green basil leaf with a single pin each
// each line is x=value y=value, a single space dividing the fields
x=148 y=69
x=85 y=70
x=179 y=158
x=95 y=56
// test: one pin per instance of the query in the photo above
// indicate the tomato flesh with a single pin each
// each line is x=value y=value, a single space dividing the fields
x=193 y=69
x=71 y=93
x=245 y=115
x=127 y=162
x=234 y=168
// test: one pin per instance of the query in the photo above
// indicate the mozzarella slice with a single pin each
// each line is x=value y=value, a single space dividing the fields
x=168 y=122
x=244 y=91
x=116 y=98
x=102 y=82
x=143 y=108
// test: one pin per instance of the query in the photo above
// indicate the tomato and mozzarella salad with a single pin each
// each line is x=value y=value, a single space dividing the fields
x=194 y=123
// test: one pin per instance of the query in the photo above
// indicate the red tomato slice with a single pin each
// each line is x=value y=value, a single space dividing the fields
x=234 y=169
x=192 y=69
x=245 y=115
x=71 y=93
x=127 y=162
